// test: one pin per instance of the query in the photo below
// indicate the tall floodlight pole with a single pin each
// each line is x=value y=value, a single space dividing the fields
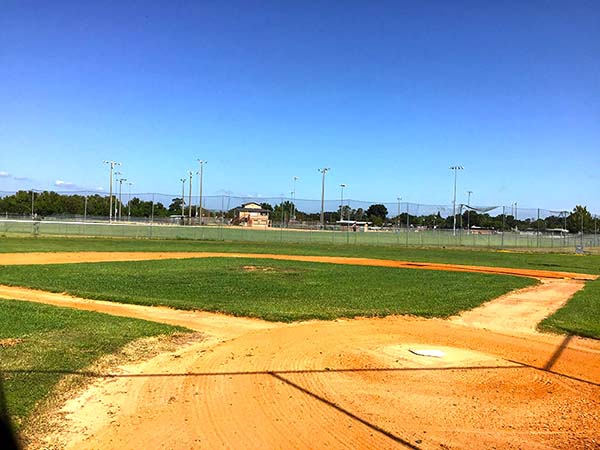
x=398 y=216
x=32 y=200
x=112 y=166
x=120 y=189
x=324 y=170
x=85 y=208
x=342 y=186
x=129 y=183
x=456 y=169
x=190 y=196
x=116 y=176
x=294 y=199
x=291 y=208
x=183 y=180
x=516 y=212
x=469 y=209
x=201 y=162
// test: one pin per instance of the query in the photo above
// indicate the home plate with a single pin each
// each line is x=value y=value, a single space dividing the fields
x=428 y=352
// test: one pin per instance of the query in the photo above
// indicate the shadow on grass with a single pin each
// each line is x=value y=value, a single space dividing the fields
x=8 y=438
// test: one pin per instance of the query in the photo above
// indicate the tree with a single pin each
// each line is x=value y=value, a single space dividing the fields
x=377 y=214
x=580 y=219
x=175 y=206
x=377 y=210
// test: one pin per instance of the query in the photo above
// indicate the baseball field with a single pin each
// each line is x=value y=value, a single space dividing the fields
x=132 y=343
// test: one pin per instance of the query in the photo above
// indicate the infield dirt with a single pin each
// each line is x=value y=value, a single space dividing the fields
x=344 y=383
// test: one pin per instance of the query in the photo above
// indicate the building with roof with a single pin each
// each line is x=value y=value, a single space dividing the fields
x=251 y=214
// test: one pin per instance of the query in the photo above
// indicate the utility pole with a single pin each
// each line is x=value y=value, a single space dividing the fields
x=324 y=170
x=120 y=189
x=112 y=166
x=456 y=169
x=201 y=162
x=398 y=216
x=190 y=197
x=469 y=209
x=183 y=180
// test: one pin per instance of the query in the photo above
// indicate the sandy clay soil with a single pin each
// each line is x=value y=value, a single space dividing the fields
x=345 y=383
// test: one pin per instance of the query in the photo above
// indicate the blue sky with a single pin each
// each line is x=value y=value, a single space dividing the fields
x=386 y=94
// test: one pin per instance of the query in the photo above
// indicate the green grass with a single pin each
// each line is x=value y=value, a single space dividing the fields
x=51 y=342
x=581 y=316
x=534 y=260
x=529 y=260
x=275 y=290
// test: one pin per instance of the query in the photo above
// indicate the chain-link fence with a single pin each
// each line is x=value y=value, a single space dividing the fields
x=338 y=221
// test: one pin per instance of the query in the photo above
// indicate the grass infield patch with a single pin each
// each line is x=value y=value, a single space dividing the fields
x=40 y=344
x=269 y=289
x=581 y=315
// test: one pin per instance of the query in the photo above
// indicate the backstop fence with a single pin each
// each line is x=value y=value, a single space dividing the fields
x=347 y=221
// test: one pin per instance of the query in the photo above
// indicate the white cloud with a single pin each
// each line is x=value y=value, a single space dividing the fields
x=4 y=174
x=65 y=184
x=22 y=178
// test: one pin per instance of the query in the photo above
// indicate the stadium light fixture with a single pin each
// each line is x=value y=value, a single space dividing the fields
x=190 y=173
x=456 y=169
x=120 y=190
x=342 y=186
x=201 y=162
x=324 y=170
x=293 y=215
x=183 y=180
x=129 y=183
x=112 y=166
x=469 y=209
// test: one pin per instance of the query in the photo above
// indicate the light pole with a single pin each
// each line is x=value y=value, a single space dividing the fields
x=201 y=162
x=324 y=170
x=190 y=196
x=469 y=209
x=516 y=212
x=456 y=169
x=129 y=183
x=112 y=166
x=342 y=186
x=120 y=189
x=294 y=199
x=398 y=216
x=32 y=200
x=116 y=176
x=85 y=208
x=291 y=208
x=183 y=180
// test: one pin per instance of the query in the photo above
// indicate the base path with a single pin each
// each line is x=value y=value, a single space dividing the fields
x=344 y=383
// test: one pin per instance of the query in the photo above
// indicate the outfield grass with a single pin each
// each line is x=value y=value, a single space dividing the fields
x=39 y=344
x=272 y=290
x=534 y=260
